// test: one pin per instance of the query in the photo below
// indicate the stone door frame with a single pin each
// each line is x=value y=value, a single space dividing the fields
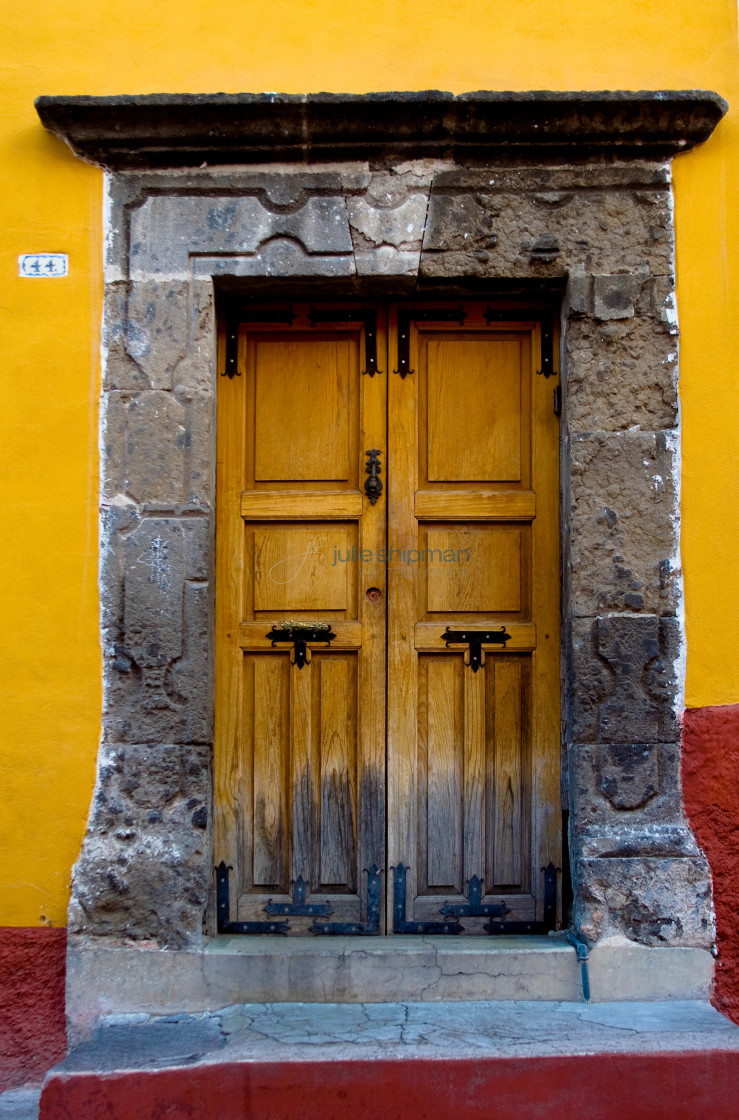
x=490 y=193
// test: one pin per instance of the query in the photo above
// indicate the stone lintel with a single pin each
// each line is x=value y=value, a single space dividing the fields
x=186 y=130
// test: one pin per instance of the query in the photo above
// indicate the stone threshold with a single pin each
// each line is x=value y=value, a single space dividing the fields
x=114 y=980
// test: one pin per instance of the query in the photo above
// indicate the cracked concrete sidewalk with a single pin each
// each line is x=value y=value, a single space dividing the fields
x=300 y=1031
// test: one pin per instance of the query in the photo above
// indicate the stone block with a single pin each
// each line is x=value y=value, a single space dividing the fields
x=199 y=484
x=623 y=522
x=578 y=296
x=167 y=231
x=624 y=683
x=280 y=257
x=155 y=329
x=655 y=901
x=144 y=870
x=636 y=781
x=621 y=969
x=384 y=260
x=618 y=375
x=159 y=681
x=197 y=370
x=155 y=573
x=614 y=296
x=628 y=839
x=158 y=449
x=120 y=370
x=549 y=233
x=396 y=226
x=156 y=440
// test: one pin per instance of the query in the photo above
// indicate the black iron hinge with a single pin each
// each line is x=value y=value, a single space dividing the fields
x=299 y=907
x=223 y=910
x=354 y=315
x=248 y=315
x=408 y=315
x=545 y=318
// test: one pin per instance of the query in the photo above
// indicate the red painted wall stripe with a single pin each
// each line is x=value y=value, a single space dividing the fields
x=32 y=1019
x=710 y=762
x=678 y=1086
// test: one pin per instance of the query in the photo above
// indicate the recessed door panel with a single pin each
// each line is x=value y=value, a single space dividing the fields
x=305 y=422
x=474 y=408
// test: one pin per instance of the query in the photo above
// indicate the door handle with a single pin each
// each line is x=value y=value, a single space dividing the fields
x=373 y=484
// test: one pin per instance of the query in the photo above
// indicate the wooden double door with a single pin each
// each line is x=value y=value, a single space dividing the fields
x=363 y=781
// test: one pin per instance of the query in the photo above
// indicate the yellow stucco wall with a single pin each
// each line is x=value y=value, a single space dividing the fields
x=49 y=645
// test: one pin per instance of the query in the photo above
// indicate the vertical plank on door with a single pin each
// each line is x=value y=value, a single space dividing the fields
x=337 y=765
x=507 y=864
x=302 y=765
x=270 y=733
x=474 y=773
x=442 y=741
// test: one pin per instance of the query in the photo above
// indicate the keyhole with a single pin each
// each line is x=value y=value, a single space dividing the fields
x=374 y=594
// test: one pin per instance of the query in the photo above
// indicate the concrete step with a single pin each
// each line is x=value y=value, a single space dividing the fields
x=626 y=1060
x=104 y=979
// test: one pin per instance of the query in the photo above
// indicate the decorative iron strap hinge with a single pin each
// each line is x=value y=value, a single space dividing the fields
x=549 y=917
x=354 y=315
x=371 y=927
x=223 y=910
x=235 y=317
x=474 y=655
x=400 y=924
x=299 y=908
x=474 y=907
x=497 y=315
x=406 y=316
x=300 y=636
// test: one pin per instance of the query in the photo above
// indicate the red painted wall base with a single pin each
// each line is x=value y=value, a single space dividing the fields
x=679 y=1086
x=32 y=1020
x=711 y=788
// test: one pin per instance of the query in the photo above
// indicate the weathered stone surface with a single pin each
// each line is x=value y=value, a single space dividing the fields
x=551 y=234
x=629 y=840
x=197 y=369
x=384 y=260
x=623 y=522
x=279 y=257
x=159 y=685
x=537 y=127
x=656 y=901
x=614 y=296
x=636 y=781
x=155 y=330
x=624 y=679
x=120 y=370
x=144 y=870
x=166 y=231
x=156 y=448
x=619 y=375
x=389 y=225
